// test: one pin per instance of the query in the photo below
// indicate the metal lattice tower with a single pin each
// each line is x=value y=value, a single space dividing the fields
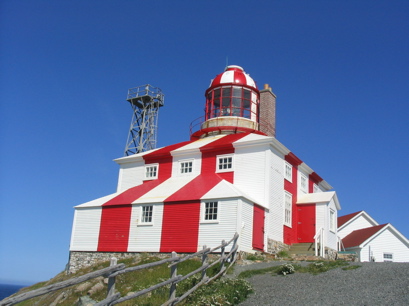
x=145 y=101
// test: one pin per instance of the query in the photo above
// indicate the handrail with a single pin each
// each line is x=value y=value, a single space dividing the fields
x=114 y=270
x=319 y=239
x=341 y=244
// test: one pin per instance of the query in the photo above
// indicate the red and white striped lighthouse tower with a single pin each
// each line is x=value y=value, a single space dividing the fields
x=232 y=104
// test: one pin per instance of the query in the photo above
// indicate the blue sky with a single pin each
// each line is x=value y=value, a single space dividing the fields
x=340 y=70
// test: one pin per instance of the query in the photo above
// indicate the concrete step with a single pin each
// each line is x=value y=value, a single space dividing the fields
x=306 y=249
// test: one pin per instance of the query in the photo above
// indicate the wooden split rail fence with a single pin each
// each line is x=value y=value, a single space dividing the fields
x=113 y=297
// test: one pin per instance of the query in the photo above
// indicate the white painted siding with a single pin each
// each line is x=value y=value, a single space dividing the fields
x=85 y=229
x=250 y=171
x=359 y=223
x=130 y=175
x=212 y=234
x=332 y=236
x=196 y=158
x=145 y=238
x=246 y=227
x=276 y=200
x=385 y=242
x=320 y=216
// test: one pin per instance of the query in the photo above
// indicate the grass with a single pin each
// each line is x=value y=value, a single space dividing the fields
x=313 y=268
x=219 y=292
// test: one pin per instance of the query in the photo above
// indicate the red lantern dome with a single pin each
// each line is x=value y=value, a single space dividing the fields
x=233 y=75
x=232 y=104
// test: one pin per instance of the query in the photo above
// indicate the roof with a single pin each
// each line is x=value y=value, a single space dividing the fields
x=319 y=197
x=344 y=219
x=358 y=237
x=233 y=75
x=176 y=189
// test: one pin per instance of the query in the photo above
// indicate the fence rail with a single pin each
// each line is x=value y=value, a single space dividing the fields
x=115 y=269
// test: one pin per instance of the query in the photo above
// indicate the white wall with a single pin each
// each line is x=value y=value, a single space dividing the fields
x=85 y=229
x=332 y=241
x=385 y=242
x=251 y=171
x=145 y=238
x=130 y=175
x=212 y=234
x=359 y=223
x=246 y=226
x=275 y=216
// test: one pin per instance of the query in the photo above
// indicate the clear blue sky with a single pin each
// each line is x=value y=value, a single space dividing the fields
x=340 y=70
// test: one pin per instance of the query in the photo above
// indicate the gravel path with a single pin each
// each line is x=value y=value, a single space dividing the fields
x=371 y=284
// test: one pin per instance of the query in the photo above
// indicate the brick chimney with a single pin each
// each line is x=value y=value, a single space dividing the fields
x=268 y=111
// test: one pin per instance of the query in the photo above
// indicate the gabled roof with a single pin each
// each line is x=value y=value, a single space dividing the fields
x=176 y=189
x=358 y=237
x=319 y=197
x=348 y=219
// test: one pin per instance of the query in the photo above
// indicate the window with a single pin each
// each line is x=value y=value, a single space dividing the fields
x=303 y=183
x=288 y=172
x=316 y=188
x=147 y=214
x=210 y=213
x=151 y=172
x=288 y=203
x=186 y=166
x=332 y=220
x=387 y=257
x=224 y=163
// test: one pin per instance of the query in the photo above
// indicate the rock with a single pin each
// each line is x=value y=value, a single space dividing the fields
x=85 y=301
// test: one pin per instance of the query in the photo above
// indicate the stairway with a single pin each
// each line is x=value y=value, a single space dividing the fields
x=302 y=251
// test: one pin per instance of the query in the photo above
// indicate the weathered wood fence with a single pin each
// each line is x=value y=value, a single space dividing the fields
x=116 y=269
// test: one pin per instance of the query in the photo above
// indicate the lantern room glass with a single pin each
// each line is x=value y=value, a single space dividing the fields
x=232 y=101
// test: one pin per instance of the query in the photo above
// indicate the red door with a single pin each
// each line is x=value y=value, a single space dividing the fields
x=258 y=228
x=306 y=222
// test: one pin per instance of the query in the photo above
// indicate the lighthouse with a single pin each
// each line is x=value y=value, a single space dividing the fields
x=233 y=105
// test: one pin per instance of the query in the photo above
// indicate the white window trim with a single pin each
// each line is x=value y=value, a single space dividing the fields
x=146 y=178
x=288 y=178
x=388 y=259
x=289 y=224
x=303 y=189
x=186 y=161
x=141 y=223
x=316 y=189
x=203 y=213
x=218 y=157
x=332 y=220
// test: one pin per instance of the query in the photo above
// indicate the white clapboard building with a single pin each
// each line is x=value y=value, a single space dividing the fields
x=371 y=241
x=232 y=176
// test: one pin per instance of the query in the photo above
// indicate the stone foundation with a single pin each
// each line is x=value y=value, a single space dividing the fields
x=79 y=260
x=274 y=246
x=331 y=254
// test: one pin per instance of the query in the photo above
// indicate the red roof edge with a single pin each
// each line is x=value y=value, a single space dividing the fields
x=357 y=237
x=344 y=219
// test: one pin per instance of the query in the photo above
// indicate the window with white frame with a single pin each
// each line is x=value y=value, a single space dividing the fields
x=387 y=257
x=288 y=203
x=151 y=171
x=316 y=188
x=224 y=163
x=211 y=211
x=147 y=212
x=288 y=172
x=186 y=166
x=332 y=223
x=303 y=183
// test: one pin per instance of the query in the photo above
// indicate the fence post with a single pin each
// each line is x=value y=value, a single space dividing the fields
x=222 y=255
x=204 y=261
x=173 y=273
x=233 y=256
x=111 y=280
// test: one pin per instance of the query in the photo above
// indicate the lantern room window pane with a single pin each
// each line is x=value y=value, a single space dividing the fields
x=237 y=92
x=226 y=92
x=247 y=94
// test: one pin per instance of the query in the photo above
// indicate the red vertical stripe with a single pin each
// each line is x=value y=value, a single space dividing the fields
x=180 y=227
x=258 y=228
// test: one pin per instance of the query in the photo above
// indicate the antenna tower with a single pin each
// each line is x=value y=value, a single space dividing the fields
x=145 y=101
